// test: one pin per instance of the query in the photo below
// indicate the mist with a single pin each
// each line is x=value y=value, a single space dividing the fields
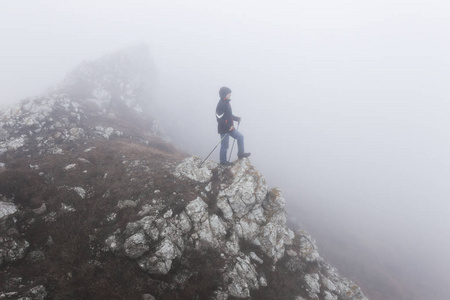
x=344 y=104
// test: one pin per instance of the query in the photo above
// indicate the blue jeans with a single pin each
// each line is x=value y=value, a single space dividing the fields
x=225 y=143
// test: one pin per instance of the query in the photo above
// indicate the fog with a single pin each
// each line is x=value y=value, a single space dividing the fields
x=344 y=104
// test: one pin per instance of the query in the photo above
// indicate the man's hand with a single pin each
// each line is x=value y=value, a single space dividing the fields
x=238 y=119
x=231 y=128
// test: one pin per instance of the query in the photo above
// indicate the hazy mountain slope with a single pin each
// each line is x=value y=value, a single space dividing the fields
x=95 y=205
x=381 y=269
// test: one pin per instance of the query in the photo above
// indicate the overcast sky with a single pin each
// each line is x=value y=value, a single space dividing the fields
x=344 y=103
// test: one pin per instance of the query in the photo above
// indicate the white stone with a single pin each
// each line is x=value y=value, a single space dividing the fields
x=205 y=235
x=256 y=258
x=221 y=295
x=38 y=292
x=148 y=297
x=308 y=250
x=190 y=168
x=71 y=166
x=56 y=150
x=67 y=208
x=154 y=265
x=111 y=217
x=232 y=245
x=7 y=208
x=136 y=245
x=13 y=250
x=224 y=206
x=247 y=229
x=328 y=284
x=218 y=227
x=183 y=222
x=108 y=132
x=329 y=296
x=168 y=214
x=80 y=191
x=196 y=210
x=269 y=241
x=313 y=285
x=247 y=189
x=40 y=210
x=167 y=250
x=14 y=144
x=244 y=278
x=126 y=203
x=289 y=236
x=262 y=281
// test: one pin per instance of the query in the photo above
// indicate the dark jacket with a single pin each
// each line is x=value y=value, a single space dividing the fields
x=224 y=116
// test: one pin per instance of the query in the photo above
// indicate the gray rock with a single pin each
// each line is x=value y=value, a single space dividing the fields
x=41 y=210
x=191 y=169
x=168 y=214
x=126 y=203
x=245 y=191
x=167 y=250
x=250 y=212
x=197 y=210
x=6 y=209
x=329 y=296
x=67 y=208
x=12 y=250
x=155 y=265
x=255 y=257
x=36 y=256
x=49 y=241
x=244 y=278
x=313 y=285
x=220 y=295
x=308 y=248
x=136 y=245
x=327 y=284
x=80 y=191
x=38 y=293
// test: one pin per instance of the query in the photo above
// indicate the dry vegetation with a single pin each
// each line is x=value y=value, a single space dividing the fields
x=75 y=265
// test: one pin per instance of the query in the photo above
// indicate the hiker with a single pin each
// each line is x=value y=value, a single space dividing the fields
x=226 y=128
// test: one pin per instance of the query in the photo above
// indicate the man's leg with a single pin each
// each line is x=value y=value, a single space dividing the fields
x=224 y=148
x=240 y=141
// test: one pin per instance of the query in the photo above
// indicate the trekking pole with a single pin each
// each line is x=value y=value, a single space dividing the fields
x=233 y=142
x=214 y=149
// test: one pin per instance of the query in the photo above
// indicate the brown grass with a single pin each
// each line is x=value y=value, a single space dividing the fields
x=67 y=270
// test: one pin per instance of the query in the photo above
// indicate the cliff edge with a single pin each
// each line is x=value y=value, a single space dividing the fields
x=94 y=204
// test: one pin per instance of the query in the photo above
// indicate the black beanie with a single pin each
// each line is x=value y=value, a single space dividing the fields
x=224 y=91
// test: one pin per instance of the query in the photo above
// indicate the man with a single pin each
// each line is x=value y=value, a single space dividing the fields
x=225 y=119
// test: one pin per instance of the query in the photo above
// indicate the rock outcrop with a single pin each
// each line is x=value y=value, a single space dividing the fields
x=95 y=205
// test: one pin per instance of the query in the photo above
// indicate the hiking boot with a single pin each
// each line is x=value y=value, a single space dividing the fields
x=244 y=155
x=226 y=164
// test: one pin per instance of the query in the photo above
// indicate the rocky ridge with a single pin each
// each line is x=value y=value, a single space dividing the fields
x=94 y=205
